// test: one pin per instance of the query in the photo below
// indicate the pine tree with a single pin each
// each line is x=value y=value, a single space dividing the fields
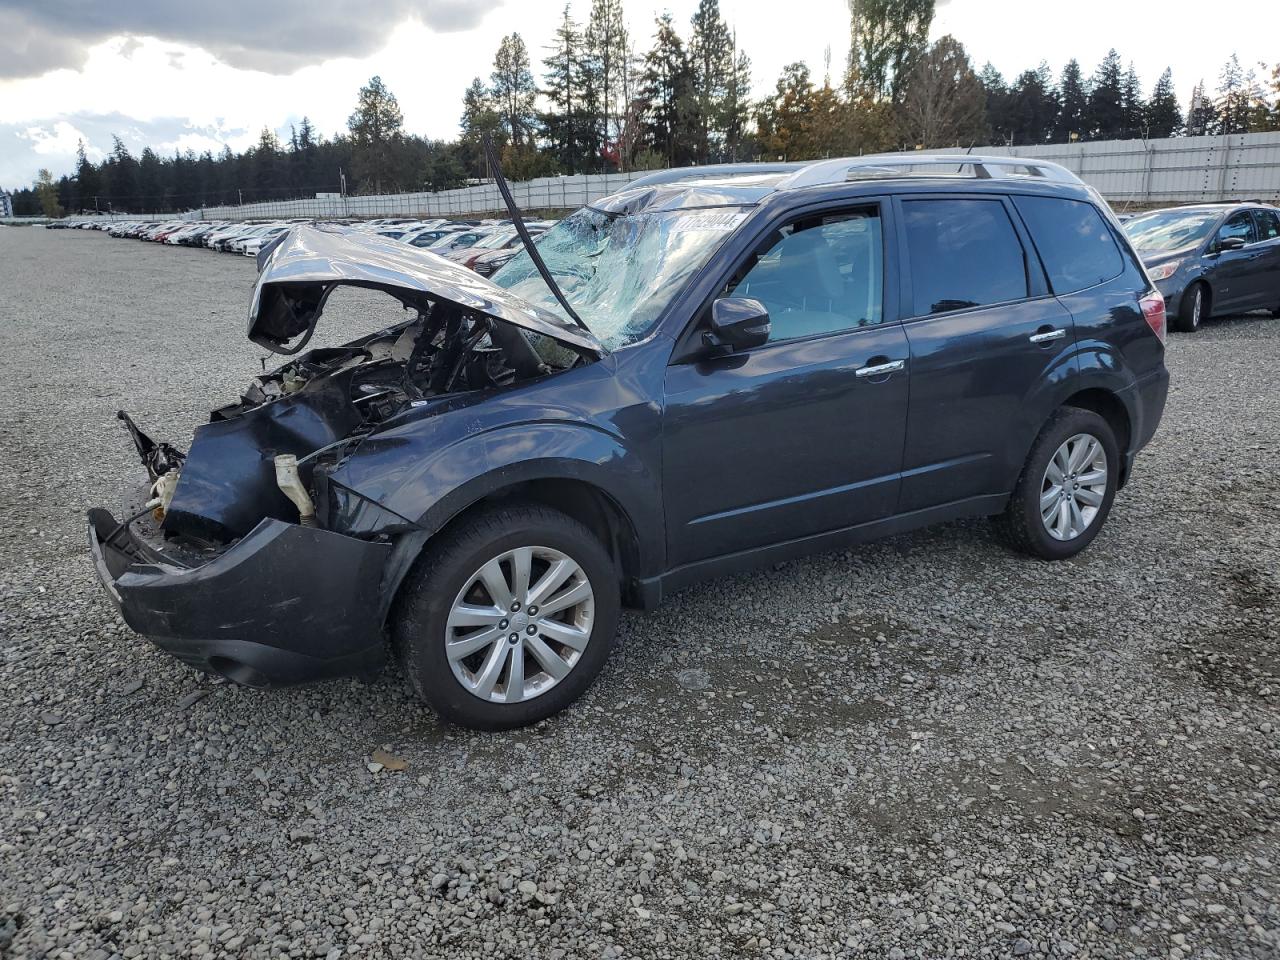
x=1104 y=118
x=562 y=82
x=1073 y=104
x=997 y=104
x=268 y=180
x=1131 y=104
x=122 y=179
x=1033 y=107
x=711 y=63
x=479 y=118
x=376 y=129
x=1201 y=116
x=87 y=184
x=666 y=87
x=153 y=188
x=605 y=43
x=1163 y=117
x=514 y=92
x=1229 y=115
x=737 y=106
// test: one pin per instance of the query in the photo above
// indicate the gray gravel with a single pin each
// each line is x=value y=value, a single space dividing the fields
x=928 y=747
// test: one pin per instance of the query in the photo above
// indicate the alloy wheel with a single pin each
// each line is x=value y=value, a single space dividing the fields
x=1195 y=308
x=1074 y=486
x=520 y=624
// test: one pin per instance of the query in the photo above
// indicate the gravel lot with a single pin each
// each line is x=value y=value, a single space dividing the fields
x=928 y=747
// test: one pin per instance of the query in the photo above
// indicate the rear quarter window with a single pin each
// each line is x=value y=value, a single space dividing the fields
x=1075 y=244
x=963 y=253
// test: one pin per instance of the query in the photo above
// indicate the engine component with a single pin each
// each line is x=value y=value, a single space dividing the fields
x=290 y=485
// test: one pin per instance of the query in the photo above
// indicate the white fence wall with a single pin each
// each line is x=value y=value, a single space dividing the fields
x=544 y=193
x=1176 y=170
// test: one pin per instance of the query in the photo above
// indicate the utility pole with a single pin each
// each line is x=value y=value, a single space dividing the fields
x=240 y=194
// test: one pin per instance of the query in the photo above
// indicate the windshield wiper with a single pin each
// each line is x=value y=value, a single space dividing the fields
x=496 y=169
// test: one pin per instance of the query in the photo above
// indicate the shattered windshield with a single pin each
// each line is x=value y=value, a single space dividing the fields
x=620 y=271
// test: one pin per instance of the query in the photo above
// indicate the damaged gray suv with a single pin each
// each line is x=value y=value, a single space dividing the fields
x=711 y=370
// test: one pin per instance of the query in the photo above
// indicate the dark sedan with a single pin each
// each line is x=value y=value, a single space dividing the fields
x=1211 y=259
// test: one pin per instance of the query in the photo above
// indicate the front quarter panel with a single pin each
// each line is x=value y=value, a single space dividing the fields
x=597 y=424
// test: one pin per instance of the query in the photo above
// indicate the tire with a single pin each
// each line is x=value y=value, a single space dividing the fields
x=1193 y=310
x=460 y=688
x=1022 y=523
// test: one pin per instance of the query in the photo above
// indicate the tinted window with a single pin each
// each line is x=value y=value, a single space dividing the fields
x=964 y=253
x=1238 y=225
x=817 y=275
x=1268 y=224
x=1073 y=240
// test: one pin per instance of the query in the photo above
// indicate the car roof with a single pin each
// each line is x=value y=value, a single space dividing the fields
x=750 y=183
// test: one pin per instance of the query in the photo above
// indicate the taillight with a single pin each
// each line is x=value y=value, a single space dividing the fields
x=1153 y=310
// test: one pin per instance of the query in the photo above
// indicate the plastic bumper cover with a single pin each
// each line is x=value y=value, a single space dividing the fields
x=286 y=604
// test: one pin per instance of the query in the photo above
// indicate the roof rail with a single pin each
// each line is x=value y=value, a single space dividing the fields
x=904 y=165
x=713 y=171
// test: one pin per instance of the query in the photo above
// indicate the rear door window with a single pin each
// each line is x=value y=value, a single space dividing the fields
x=1268 y=224
x=1073 y=240
x=963 y=253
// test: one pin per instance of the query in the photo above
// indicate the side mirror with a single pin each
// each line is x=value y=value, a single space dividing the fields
x=1231 y=243
x=737 y=323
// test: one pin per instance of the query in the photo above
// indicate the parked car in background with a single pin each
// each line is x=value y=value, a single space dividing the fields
x=426 y=237
x=1211 y=259
x=252 y=245
x=460 y=240
x=487 y=263
x=502 y=239
x=757 y=364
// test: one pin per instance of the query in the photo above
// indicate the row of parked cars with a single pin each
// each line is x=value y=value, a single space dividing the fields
x=480 y=245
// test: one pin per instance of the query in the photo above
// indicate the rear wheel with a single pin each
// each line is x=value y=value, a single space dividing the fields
x=509 y=618
x=1066 y=488
x=1193 y=309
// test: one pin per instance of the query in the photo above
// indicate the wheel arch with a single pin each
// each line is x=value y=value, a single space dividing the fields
x=1108 y=405
x=587 y=502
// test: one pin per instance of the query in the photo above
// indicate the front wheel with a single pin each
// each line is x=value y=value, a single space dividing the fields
x=509 y=618
x=1192 y=310
x=1066 y=488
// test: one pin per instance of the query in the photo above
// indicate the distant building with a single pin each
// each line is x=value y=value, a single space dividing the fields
x=6 y=204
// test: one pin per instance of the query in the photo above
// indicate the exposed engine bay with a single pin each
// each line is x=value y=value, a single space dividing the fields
x=257 y=458
x=446 y=349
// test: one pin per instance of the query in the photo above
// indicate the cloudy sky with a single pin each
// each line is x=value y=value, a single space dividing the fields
x=179 y=75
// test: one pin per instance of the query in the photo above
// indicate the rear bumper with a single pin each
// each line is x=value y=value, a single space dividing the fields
x=1145 y=401
x=286 y=604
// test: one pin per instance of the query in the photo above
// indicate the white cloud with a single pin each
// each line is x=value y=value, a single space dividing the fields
x=59 y=140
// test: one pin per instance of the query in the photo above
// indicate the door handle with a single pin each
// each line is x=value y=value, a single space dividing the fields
x=1048 y=336
x=876 y=369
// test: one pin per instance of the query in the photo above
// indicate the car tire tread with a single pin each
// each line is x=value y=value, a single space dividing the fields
x=1020 y=525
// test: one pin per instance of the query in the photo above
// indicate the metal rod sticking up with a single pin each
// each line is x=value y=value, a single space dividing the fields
x=491 y=155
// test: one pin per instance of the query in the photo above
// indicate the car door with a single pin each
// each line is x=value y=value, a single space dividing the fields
x=1268 y=275
x=986 y=341
x=1233 y=275
x=803 y=434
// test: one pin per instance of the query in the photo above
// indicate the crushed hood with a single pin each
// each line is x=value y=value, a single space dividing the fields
x=298 y=271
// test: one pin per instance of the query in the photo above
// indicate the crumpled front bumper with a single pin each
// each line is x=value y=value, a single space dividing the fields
x=286 y=604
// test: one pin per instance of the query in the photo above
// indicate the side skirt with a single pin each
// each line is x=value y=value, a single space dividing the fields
x=649 y=592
